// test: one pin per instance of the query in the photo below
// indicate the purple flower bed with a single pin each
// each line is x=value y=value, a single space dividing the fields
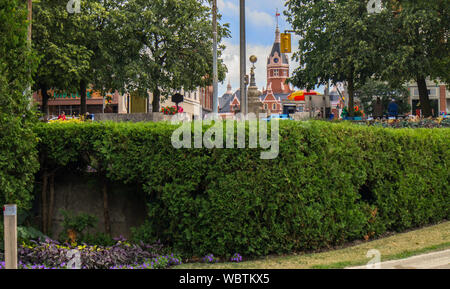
x=236 y=258
x=50 y=254
x=210 y=259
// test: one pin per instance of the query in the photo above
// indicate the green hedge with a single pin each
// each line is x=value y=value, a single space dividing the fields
x=18 y=154
x=331 y=183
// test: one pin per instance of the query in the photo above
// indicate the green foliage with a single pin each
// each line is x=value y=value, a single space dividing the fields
x=98 y=238
x=167 y=51
x=372 y=89
x=78 y=223
x=339 y=41
x=331 y=183
x=18 y=153
x=25 y=234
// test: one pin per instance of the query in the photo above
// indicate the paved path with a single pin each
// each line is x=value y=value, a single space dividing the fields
x=435 y=260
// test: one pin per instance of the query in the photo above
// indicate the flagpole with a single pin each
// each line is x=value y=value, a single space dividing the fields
x=215 y=76
x=242 y=59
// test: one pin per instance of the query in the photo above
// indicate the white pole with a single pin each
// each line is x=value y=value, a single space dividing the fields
x=242 y=58
x=10 y=228
x=215 y=76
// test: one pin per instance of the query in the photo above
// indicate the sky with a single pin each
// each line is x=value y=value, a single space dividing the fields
x=260 y=35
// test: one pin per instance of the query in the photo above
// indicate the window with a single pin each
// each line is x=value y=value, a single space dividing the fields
x=265 y=106
x=275 y=72
x=274 y=106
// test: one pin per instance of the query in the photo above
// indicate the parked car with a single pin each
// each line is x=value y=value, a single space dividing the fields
x=278 y=116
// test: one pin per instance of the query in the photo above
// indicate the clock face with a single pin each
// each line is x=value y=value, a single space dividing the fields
x=275 y=60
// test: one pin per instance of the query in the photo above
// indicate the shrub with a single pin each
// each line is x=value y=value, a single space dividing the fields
x=331 y=183
x=18 y=154
x=75 y=226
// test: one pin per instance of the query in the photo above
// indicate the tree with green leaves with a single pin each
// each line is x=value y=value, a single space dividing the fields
x=167 y=46
x=338 y=43
x=18 y=154
x=419 y=32
x=373 y=89
x=64 y=61
x=74 y=47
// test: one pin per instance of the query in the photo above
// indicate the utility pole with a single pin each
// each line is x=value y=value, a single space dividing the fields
x=243 y=59
x=215 y=77
x=29 y=18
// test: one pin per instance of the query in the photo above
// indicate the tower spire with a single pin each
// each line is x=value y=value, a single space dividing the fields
x=277 y=30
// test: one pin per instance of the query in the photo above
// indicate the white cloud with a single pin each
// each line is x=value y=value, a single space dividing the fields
x=253 y=16
x=258 y=18
x=227 y=8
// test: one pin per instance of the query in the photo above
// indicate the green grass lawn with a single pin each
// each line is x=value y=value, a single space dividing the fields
x=398 y=246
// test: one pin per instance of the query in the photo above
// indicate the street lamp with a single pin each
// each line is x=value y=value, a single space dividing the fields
x=242 y=58
x=215 y=77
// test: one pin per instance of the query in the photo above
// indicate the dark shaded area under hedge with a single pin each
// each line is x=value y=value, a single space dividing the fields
x=330 y=184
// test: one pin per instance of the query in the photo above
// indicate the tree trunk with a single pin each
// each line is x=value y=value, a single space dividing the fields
x=106 y=207
x=44 y=202
x=51 y=202
x=45 y=97
x=423 y=96
x=156 y=100
x=83 y=98
x=351 y=92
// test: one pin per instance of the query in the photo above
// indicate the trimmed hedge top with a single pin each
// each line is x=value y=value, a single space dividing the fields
x=331 y=183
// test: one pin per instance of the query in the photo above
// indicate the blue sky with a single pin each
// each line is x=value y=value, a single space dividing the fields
x=260 y=35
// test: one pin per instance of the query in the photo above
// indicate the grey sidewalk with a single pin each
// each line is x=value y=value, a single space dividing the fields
x=435 y=260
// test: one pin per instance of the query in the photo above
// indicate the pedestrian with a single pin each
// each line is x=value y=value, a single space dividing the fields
x=378 y=109
x=393 y=109
x=62 y=116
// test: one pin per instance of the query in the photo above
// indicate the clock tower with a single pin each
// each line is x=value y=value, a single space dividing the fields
x=278 y=67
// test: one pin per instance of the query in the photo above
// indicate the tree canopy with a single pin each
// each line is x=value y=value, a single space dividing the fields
x=167 y=51
x=338 y=43
x=342 y=42
x=135 y=45
x=419 y=49
x=18 y=155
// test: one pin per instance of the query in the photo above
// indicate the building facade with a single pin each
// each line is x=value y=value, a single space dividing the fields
x=69 y=103
x=439 y=96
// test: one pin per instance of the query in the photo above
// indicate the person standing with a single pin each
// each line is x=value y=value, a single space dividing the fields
x=62 y=116
x=378 y=109
x=393 y=109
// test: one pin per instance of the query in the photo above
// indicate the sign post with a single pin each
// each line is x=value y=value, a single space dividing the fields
x=10 y=228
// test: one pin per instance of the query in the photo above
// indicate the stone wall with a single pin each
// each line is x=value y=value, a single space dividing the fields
x=75 y=193
x=133 y=117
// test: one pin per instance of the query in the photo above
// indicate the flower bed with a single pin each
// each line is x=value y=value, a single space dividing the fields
x=50 y=254
x=422 y=123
